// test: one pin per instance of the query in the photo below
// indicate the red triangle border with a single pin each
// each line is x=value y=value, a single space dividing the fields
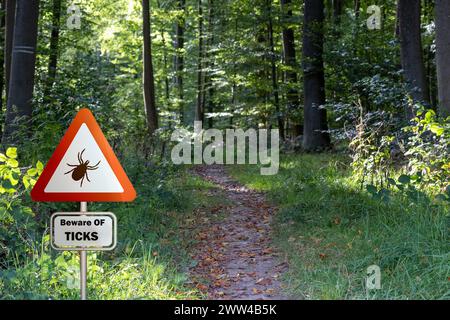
x=83 y=116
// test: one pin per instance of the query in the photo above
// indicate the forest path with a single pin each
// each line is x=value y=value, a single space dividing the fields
x=234 y=256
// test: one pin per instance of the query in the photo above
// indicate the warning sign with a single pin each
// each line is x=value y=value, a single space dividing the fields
x=83 y=167
x=90 y=231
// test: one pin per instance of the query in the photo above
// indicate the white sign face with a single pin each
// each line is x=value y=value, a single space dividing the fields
x=83 y=231
x=84 y=168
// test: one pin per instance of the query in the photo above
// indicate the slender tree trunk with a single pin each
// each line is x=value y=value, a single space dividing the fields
x=411 y=51
x=357 y=6
x=166 y=70
x=210 y=62
x=165 y=61
x=9 y=35
x=234 y=86
x=276 y=95
x=430 y=65
x=179 y=56
x=315 y=135
x=338 y=6
x=54 y=47
x=149 y=81
x=290 y=61
x=19 y=106
x=442 y=12
x=199 y=113
x=2 y=60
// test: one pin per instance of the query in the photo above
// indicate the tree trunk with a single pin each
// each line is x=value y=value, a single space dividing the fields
x=357 y=6
x=442 y=12
x=315 y=135
x=210 y=63
x=199 y=112
x=274 y=77
x=9 y=35
x=165 y=62
x=337 y=10
x=2 y=61
x=149 y=81
x=411 y=51
x=19 y=106
x=289 y=59
x=54 y=44
x=179 y=56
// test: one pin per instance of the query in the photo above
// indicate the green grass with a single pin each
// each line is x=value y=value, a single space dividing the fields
x=331 y=231
x=150 y=261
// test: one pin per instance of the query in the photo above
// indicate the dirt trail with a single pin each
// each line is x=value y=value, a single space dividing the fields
x=234 y=257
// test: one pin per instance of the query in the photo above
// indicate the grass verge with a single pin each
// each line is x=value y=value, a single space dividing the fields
x=331 y=231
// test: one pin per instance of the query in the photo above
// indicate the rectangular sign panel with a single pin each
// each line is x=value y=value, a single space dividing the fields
x=83 y=231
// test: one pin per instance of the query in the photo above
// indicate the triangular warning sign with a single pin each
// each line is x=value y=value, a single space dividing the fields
x=83 y=167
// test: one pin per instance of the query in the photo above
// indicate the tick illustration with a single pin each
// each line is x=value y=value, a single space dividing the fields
x=80 y=171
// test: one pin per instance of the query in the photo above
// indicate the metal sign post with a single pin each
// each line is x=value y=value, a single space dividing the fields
x=83 y=262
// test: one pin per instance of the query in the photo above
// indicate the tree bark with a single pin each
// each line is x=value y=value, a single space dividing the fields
x=199 y=112
x=276 y=96
x=179 y=56
x=9 y=35
x=357 y=6
x=411 y=51
x=19 y=106
x=2 y=60
x=165 y=62
x=290 y=60
x=210 y=63
x=442 y=12
x=338 y=5
x=54 y=45
x=149 y=81
x=315 y=135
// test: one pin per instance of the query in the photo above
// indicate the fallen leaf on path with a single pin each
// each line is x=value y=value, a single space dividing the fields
x=201 y=287
x=264 y=282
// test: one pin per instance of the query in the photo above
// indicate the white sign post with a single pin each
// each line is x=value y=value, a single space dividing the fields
x=83 y=231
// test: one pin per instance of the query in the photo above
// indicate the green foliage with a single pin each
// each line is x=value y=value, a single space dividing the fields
x=428 y=148
x=147 y=263
x=18 y=228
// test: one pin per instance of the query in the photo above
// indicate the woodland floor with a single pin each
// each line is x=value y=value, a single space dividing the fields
x=234 y=256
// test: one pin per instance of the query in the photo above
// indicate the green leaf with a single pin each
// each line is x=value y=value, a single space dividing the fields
x=2 y=157
x=32 y=172
x=436 y=129
x=11 y=153
x=13 y=163
x=39 y=166
x=25 y=181
x=371 y=189
x=404 y=179
x=391 y=181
